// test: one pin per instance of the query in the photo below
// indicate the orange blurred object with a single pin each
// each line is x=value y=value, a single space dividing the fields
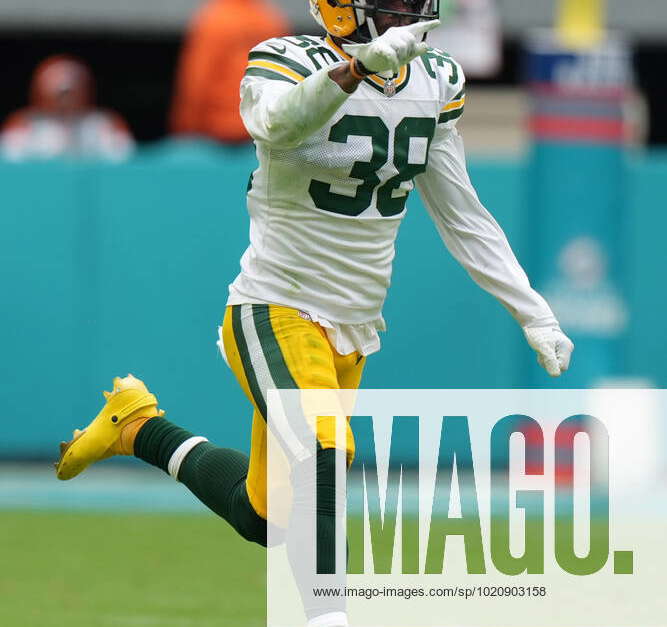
x=212 y=64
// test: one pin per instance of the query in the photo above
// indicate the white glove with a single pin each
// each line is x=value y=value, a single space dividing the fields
x=394 y=49
x=552 y=346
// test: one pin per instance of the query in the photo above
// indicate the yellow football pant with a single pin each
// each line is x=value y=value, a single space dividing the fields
x=270 y=346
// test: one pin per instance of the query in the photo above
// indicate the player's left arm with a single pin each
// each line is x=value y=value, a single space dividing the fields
x=478 y=243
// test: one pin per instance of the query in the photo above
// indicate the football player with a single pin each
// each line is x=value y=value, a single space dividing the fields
x=345 y=126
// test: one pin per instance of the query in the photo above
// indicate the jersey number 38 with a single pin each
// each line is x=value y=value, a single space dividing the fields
x=373 y=127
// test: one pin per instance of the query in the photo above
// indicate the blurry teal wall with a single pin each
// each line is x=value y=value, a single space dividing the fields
x=109 y=269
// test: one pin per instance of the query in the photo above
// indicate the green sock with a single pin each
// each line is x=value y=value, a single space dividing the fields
x=216 y=476
x=157 y=440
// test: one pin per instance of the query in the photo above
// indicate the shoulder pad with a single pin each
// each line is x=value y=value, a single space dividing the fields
x=289 y=58
x=275 y=59
x=447 y=71
x=443 y=67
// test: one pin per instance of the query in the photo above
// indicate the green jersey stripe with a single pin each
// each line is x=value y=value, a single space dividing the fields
x=264 y=73
x=244 y=354
x=450 y=115
x=279 y=372
x=281 y=60
x=278 y=369
x=459 y=95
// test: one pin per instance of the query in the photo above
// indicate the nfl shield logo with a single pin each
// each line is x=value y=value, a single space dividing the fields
x=390 y=88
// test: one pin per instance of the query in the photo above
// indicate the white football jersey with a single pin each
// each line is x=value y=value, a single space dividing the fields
x=335 y=171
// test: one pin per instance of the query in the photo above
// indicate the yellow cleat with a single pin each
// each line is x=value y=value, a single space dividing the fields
x=129 y=403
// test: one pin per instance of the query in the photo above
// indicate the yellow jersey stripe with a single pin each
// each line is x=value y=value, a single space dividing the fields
x=455 y=104
x=270 y=65
x=399 y=79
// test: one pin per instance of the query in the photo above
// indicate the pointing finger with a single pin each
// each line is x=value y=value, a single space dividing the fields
x=419 y=28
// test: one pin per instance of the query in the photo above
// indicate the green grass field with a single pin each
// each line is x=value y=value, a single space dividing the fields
x=122 y=569
x=162 y=570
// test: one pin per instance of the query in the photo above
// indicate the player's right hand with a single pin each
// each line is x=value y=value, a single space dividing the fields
x=395 y=48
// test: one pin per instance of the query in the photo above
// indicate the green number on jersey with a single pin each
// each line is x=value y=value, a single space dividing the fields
x=405 y=131
x=366 y=171
x=313 y=49
x=363 y=126
x=302 y=41
x=440 y=59
x=326 y=55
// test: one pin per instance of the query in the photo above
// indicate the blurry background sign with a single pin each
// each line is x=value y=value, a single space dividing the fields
x=470 y=32
x=580 y=24
x=579 y=78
